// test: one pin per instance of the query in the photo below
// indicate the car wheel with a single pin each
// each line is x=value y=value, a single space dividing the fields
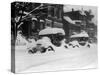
x=43 y=50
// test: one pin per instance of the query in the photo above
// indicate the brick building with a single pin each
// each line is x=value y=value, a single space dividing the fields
x=80 y=21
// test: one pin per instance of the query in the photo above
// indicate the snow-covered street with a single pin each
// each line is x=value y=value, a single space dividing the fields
x=61 y=59
x=53 y=37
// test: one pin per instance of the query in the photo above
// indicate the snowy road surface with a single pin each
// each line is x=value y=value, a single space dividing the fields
x=61 y=59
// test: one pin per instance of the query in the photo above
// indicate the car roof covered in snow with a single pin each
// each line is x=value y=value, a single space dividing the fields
x=50 y=30
x=82 y=34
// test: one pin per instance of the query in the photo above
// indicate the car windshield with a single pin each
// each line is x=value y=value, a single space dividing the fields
x=82 y=39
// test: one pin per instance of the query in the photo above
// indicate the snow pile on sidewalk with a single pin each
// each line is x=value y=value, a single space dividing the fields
x=20 y=40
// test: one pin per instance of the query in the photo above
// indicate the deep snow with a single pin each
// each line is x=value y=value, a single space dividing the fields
x=61 y=59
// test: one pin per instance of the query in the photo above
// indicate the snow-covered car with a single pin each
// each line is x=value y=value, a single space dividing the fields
x=55 y=34
x=45 y=44
x=42 y=45
x=82 y=39
x=49 y=37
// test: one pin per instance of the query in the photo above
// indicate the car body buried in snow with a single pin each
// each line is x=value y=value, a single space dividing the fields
x=80 y=40
x=56 y=35
x=42 y=45
x=49 y=38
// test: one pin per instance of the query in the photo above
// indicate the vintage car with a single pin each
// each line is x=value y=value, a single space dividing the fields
x=81 y=38
x=56 y=35
x=49 y=38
